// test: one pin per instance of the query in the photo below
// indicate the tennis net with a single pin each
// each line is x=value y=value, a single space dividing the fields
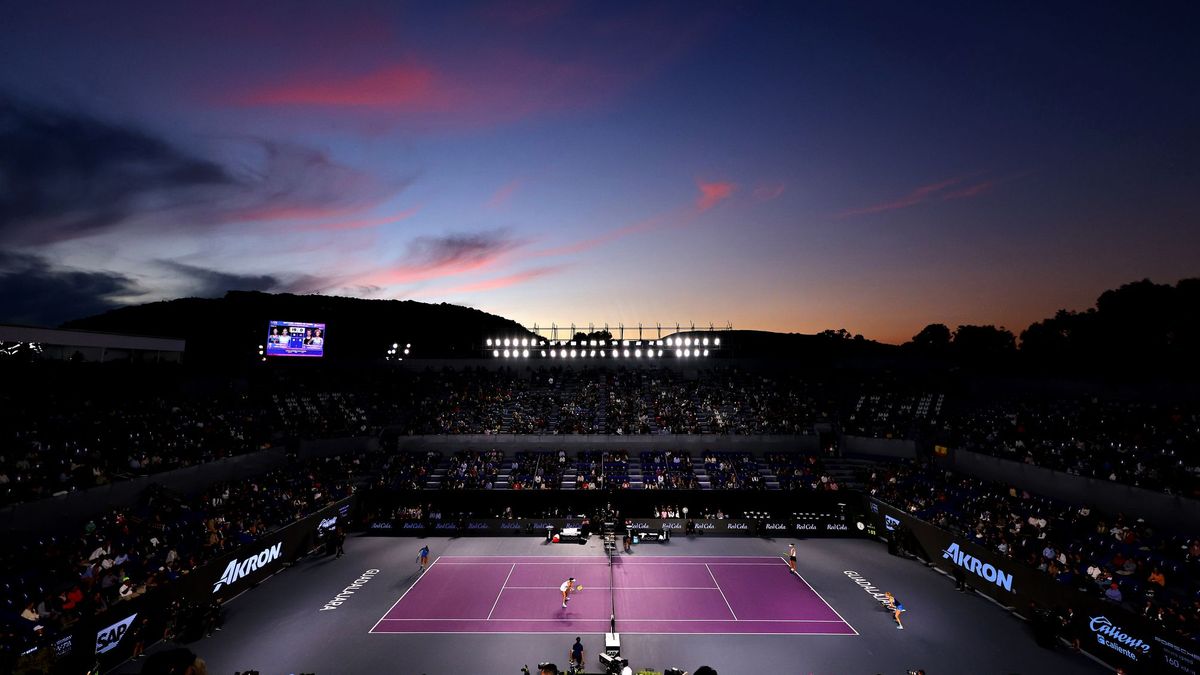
x=612 y=592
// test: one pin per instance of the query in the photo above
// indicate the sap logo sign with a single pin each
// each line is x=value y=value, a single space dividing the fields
x=890 y=523
x=1111 y=636
x=238 y=569
x=108 y=638
x=977 y=567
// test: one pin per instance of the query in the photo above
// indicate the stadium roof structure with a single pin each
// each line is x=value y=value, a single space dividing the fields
x=90 y=345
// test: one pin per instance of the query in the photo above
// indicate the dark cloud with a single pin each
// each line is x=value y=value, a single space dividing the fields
x=34 y=292
x=207 y=283
x=65 y=175
x=458 y=249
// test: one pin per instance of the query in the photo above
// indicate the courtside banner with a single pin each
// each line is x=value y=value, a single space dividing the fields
x=235 y=572
x=1106 y=630
x=104 y=637
x=830 y=526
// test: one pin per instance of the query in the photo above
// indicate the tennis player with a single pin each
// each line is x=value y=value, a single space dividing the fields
x=423 y=557
x=897 y=607
x=792 y=558
x=566 y=588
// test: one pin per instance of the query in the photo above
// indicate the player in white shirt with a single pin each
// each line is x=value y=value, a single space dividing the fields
x=566 y=587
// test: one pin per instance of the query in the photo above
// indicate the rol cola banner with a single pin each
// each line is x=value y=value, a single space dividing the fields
x=1106 y=630
x=831 y=526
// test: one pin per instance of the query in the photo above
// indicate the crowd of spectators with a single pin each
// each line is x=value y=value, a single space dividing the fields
x=668 y=470
x=887 y=409
x=797 y=471
x=52 y=581
x=403 y=471
x=473 y=470
x=66 y=438
x=1149 y=445
x=537 y=470
x=1124 y=560
x=733 y=471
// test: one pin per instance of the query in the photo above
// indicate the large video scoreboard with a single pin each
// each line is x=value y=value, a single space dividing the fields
x=295 y=338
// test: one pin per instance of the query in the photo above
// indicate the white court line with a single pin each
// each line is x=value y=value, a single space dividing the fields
x=623 y=588
x=714 y=578
x=810 y=587
x=435 y=561
x=510 y=571
x=666 y=560
x=648 y=620
x=632 y=557
x=576 y=632
x=606 y=562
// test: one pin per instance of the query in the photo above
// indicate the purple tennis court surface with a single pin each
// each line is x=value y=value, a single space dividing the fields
x=676 y=594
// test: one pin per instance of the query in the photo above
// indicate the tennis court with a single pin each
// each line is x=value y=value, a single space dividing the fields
x=645 y=594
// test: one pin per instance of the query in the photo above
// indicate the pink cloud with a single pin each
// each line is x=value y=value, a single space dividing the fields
x=603 y=238
x=361 y=223
x=712 y=194
x=502 y=196
x=403 y=86
x=521 y=63
x=921 y=194
x=431 y=258
x=768 y=191
x=971 y=190
x=505 y=281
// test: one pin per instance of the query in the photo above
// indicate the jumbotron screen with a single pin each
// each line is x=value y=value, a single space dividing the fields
x=295 y=338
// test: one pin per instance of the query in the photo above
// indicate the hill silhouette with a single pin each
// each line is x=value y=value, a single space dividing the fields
x=232 y=327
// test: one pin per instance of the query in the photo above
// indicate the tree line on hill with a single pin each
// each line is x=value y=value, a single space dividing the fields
x=1141 y=327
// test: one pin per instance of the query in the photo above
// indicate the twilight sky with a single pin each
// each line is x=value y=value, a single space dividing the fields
x=781 y=166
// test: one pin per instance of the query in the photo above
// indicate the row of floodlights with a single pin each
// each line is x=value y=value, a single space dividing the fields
x=597 y=353
x=669 y=342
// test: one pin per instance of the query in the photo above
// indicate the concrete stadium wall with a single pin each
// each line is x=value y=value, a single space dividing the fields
x=879 y=447
x=1102 y=494
x=75 y=508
